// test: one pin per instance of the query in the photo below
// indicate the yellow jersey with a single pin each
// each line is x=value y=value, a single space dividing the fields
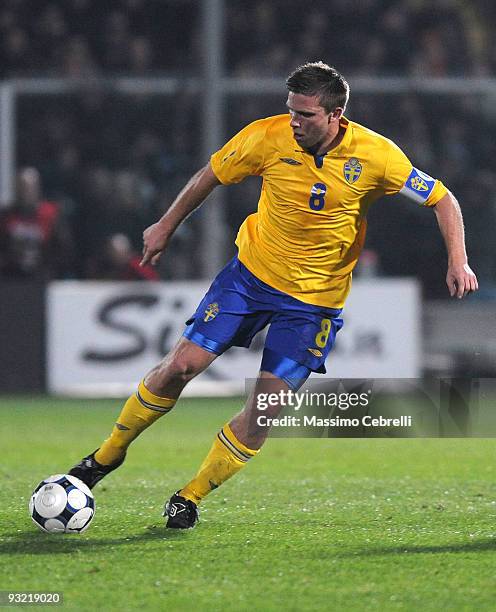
x=310 y=226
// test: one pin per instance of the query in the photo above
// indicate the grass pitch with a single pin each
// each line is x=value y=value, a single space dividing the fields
x=308 y=525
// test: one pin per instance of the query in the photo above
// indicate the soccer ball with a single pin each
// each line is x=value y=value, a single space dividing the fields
x=62 y=504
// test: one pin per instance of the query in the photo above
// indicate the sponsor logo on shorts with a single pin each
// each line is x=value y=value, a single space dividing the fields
x=315 y=352
x=211 y=312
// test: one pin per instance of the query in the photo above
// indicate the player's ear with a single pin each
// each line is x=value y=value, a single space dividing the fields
x=336 y=114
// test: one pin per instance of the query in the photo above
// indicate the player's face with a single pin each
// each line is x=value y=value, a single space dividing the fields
x=311 y=124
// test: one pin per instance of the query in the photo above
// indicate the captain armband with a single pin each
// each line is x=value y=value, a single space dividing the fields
x=418 y=186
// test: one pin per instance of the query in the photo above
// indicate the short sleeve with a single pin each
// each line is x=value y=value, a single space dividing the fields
x=401 y=176
x=242 y=156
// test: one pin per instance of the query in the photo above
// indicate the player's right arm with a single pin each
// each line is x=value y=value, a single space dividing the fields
x=242 y=156
x=196 y=190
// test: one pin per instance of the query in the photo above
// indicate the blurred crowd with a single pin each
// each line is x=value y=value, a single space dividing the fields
x=111 y=163
x=372 y=37
x=140 y=37
x=96 y=167
x=84 y=38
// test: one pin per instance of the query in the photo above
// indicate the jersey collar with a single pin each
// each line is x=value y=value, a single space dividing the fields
x=346 y=140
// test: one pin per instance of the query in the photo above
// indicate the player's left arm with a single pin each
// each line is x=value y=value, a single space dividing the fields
x=460 y=278
x=400 y=176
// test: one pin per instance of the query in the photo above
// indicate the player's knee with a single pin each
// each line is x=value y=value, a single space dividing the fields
x=182 y=368
x=168 y=378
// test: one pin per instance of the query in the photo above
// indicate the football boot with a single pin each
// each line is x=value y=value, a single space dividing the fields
x=91 y=472
x=181 y=513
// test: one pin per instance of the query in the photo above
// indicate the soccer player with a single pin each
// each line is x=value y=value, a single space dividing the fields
x=321 y=172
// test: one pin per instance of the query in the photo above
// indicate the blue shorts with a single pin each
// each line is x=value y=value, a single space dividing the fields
x=238 y=305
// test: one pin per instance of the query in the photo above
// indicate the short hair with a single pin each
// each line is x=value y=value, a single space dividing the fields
x=319 y=79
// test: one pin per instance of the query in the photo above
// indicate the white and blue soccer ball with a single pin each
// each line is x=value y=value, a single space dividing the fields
x=62 y=504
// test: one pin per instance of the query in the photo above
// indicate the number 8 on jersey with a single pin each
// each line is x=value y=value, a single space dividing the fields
x=317 y=196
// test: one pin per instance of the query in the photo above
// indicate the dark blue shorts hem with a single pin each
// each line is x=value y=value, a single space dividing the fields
x=212 y=346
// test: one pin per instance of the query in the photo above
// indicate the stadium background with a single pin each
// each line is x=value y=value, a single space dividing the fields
x=116 y=104
x=112 y=106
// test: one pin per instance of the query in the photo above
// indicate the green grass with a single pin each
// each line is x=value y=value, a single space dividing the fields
x=309 y=524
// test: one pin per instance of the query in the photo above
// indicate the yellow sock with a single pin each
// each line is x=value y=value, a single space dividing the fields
x=139 y=412
x=226 y=457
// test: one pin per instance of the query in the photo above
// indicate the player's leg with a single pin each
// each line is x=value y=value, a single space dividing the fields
x=298 y=342
x=238 y=441
x=156 y=395
x=212 y=329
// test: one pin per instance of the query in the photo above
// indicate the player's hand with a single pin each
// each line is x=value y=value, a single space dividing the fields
x=461 y=280
x=154 y=242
